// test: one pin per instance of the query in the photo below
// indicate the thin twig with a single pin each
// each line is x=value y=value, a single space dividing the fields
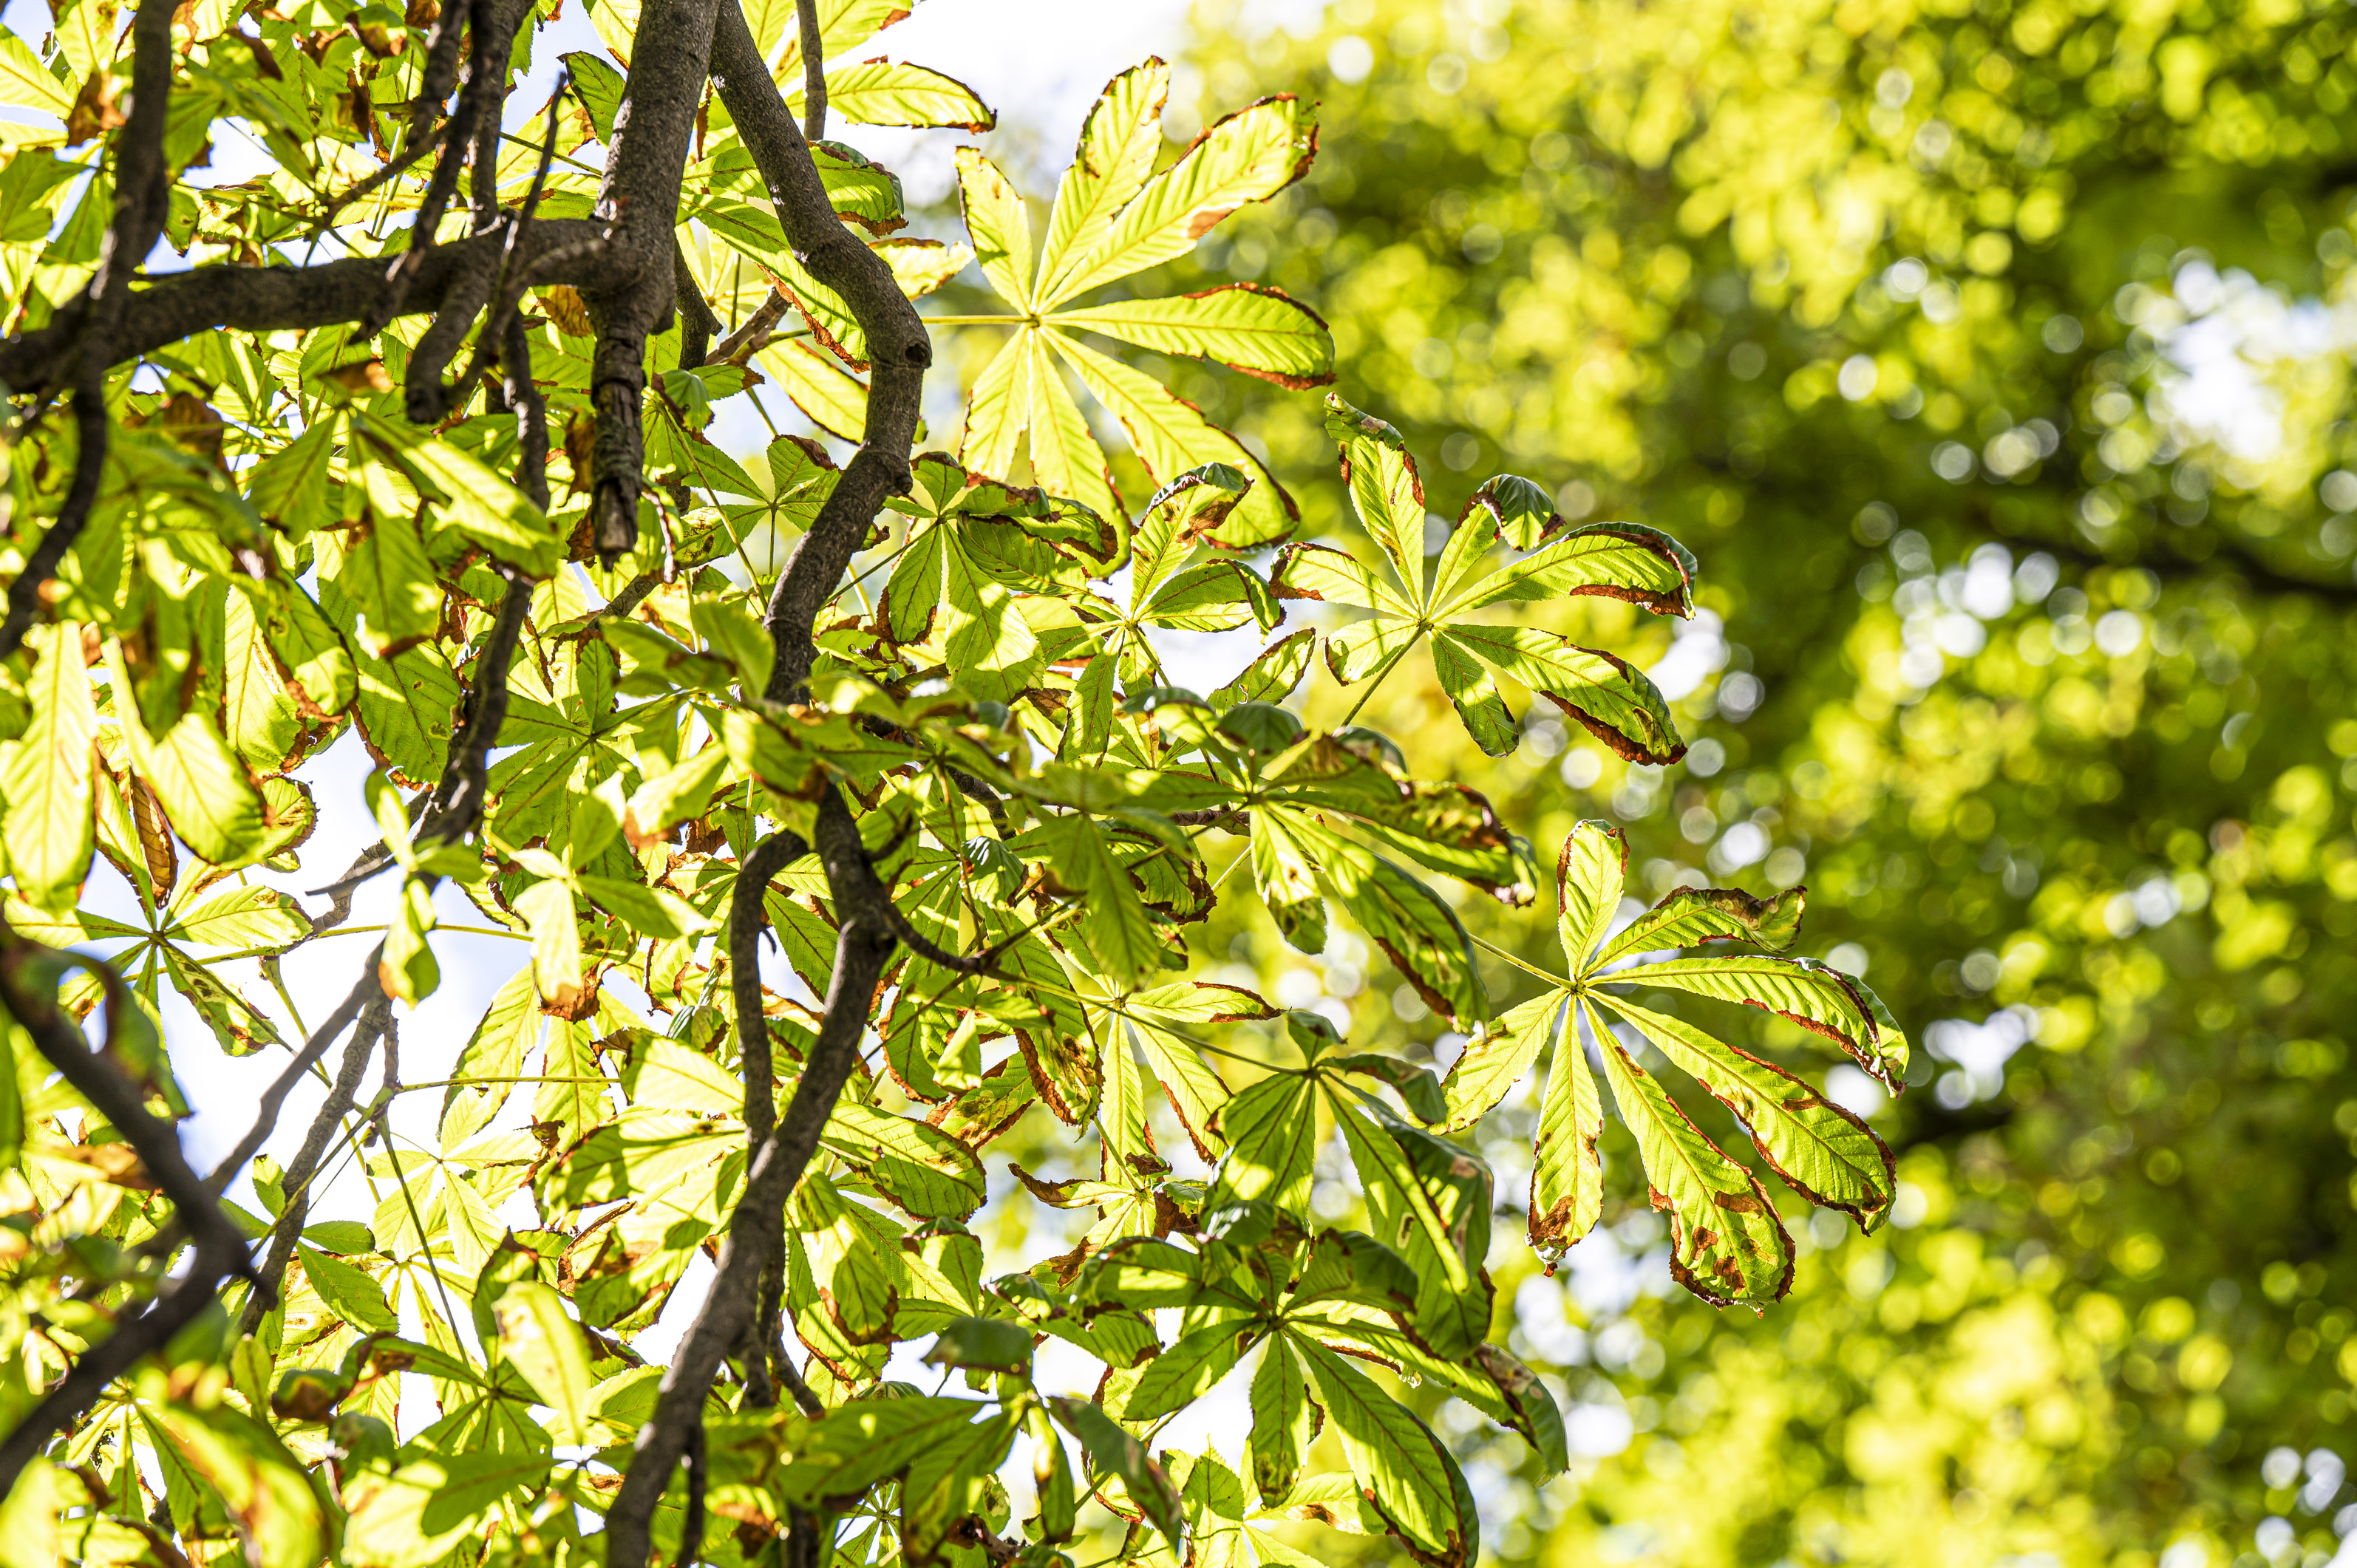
x=296 y=1189
x=265 y=1117
x=749 y=339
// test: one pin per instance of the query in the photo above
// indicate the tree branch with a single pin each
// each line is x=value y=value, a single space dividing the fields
x=697 y=325
x=899 y=349
x=756 y=1229
x=275 y=298
x=91 y=324
x=653 y=128
x=746 y=921
x=456 y=808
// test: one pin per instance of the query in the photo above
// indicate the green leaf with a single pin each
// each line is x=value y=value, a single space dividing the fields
x=294 y=486
x=1386 y=492
x=204 y=789
x=1113 y=1451
x=242 y=917
x=816 y=381
x=1245 y=326
x=1000 y=226
x=921 y=1168
x=1820 y=999
x=26 y=83
x=1180 y=513
x=47 y=776
x=1415 y=929
x=1474 y=695
x=407 y=969
x=240 y=1027
x=1288 y=879
x=1399 y=1467
x=478 y=504
x=1185 y=1371
x=1271 y=1128
x=350 y=1293
x=1689 y=917
x=992 y=1344
x=1727 y=1244
x=547 y=908
x=1171 y=437
x=1566 y=1173
x=1822 y=1150
x=1519 y=509
x=382 y=570
x=1114 y=923
x=1429 y=1202
x=1285 y=1421
x=860 y=192
x=545 y=1345
x=1589 y=877
x=1417 y=1086
x=1614 y=701
x=508 y=1032
x=270 y=1500
x=1527 y=1407
x=1248 y=156
x=426 y=1508
x=666 y=1075
x=854 y=1447
x=1051 y=1477
x=601 y=87
x=650 y=911
x=1495 y=1058
x=1272 y=675
x=893 y=92
x=1617 y=560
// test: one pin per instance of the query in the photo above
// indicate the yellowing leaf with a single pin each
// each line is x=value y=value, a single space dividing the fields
x=1170 y=436
x=1727 y=1244
x=833 y=399
x=1115 y=154
x=1000 y=224
x=47 y=778
x=617 y=22
x=894 y=92
x=26 y=83
x=1246 y=327
x=1250 y=155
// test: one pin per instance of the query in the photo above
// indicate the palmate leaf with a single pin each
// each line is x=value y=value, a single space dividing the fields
x=1820 y=1149
x=1615 y=702
x=1113 y=217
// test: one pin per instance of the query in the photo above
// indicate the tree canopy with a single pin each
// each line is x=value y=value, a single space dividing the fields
x=1994 y=358
x=1262 y=892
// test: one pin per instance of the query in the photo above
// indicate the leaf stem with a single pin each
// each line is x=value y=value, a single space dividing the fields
x=1378 y=680
x=1519 y=961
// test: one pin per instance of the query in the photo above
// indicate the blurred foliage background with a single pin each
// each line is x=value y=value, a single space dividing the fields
x=1994 y=359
